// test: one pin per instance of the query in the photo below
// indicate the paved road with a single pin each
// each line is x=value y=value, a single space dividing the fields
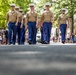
x=38 y=60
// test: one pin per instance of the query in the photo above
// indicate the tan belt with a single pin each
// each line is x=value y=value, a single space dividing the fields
x=32 y=21
x=11 y=21
x=47 y=21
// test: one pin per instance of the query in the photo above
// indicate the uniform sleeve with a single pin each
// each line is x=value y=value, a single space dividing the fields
x=26 y=20
x=18 y=14
x=67 y=17
x=42 y=16
x=7 y=16
x=52 y=16
x=59 y=18
x=36 y=16
x=41 y=19
x=22 y=17
x=27 y=16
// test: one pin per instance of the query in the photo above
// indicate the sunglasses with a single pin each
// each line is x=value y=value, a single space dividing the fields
x=63 y=10
x=31 y=6
x=12 y=6
x=47 y=5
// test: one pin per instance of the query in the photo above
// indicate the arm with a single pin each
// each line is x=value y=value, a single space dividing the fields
x=52 y=18
x=37 y=25
x=59 y=22
x=68 y=22
x=17 y=18
x=41 y=20
x=22 y=21
x=7 y=19
x=26 y=21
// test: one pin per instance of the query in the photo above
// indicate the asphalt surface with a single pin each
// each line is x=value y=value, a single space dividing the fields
x=38 y=60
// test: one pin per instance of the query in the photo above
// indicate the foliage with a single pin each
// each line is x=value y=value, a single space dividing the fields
x=56 y=6
x=5 y=7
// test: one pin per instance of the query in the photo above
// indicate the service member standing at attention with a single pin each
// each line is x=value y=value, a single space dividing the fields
x=20 y=22
x=62 y=24
x=47 y=20
x=12 y=22
x=32 y=22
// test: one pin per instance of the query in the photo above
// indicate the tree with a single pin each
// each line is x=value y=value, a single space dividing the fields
x=56 y=6
x=5 y=6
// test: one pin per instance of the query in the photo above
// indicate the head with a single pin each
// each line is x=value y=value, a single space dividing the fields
x=17 y=8
x=21 y=11
x=12 y=7
x=63 y=10
x=47 y=6
x=44 y=9
x=32 y=7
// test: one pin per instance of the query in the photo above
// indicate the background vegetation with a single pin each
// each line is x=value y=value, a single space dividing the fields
x=56 y=6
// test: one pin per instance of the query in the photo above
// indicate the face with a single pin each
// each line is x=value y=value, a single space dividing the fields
x=47 y=7
x=63 y=11
x=12 y=7
x=32 y=7
x=21 y=12
x=17 y=9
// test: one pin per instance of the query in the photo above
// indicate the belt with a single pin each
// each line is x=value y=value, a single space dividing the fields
x=63 y=23
x=12 y=22
x=47 y=21
x=31 y=21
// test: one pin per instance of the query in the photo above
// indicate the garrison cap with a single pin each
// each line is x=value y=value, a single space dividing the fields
x=64 y=9
x=47 y=4
x=20 y=10
x=12 y=5
x=31 y=4
x=17 y=7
